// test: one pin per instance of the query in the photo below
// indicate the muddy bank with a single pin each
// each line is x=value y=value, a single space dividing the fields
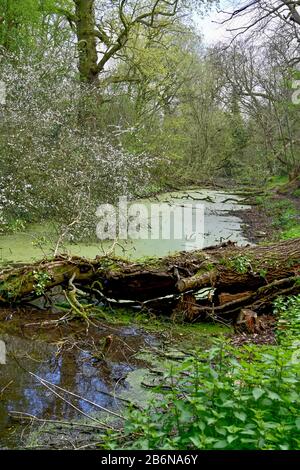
x=271 y=217
x=257 y=224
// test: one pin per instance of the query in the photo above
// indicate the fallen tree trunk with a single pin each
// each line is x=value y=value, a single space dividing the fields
x=234 y=278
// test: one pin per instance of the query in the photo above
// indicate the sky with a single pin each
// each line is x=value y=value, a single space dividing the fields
x=209 y=27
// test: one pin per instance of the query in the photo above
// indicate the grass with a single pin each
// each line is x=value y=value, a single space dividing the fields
x=296 y=193
x=293 y=232
x=276 y=181
x=282 y=208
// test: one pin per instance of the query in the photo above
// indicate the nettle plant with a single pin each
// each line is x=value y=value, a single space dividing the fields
x=226 y=398
x=56 y=161
x=288 y=323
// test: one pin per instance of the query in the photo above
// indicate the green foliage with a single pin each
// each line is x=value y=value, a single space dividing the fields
x=288 y=325
x=14 y=226
x=296 y=193
x=41 y=280
x=226 y=398
x=241 y=264
x=169 y=104
x=284 y=215
x=279 y=180
x=25 y=22
x=293 y=232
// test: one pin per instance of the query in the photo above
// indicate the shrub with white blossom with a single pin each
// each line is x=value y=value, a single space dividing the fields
x=57 y=162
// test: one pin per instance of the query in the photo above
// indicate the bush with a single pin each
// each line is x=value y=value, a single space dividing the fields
x=57 y=163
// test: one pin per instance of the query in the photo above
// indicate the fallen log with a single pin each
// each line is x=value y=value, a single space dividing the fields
x=234 y=277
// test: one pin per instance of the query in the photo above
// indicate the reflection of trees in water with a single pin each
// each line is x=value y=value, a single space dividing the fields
x=23 y=393
x=75 y=370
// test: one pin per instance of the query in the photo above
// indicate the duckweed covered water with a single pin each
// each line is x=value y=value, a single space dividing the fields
x=219 y=225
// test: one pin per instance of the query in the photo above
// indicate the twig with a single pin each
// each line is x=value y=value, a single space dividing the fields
x=77 y=396
x=22 y=415
x=71 y=404
x=6 y=386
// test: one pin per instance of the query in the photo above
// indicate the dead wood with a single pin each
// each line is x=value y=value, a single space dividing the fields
x=235 y=278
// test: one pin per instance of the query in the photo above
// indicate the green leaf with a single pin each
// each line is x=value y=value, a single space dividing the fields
x=230 y=439
x=196 y=441
x=185 y=412
x=221 y=431
x=250 y=432
x=240 y=415
x=274 y=396
x=257 y=393
x=220 y=444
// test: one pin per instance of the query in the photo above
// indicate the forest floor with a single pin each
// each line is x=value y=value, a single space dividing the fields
x=274 y=215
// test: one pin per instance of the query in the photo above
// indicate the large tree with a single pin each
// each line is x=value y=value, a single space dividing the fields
x=103 y=27
x=262 y=81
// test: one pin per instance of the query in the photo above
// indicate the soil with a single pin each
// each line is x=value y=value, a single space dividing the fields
x=265 y=335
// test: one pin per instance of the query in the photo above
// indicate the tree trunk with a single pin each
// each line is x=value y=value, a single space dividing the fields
x=235 y=278
x=86 y=39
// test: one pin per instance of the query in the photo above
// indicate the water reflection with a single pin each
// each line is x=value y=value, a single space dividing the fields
x=77 y=369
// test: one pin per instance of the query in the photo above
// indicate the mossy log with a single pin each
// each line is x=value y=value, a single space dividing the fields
x=235 y=278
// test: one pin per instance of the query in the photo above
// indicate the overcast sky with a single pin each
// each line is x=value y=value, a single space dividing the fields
x=212 y=31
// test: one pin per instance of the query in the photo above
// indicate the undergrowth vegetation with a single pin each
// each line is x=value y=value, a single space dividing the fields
x=284 y=214
x=226 y=397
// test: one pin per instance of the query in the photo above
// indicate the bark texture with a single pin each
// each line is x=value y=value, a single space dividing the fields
x=87 y=44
